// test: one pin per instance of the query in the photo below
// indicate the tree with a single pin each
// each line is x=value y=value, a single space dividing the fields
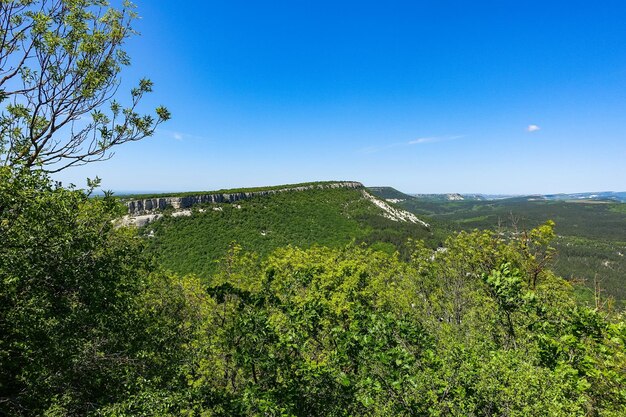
x=60 y=62
x=67 y=284
x=87 y=322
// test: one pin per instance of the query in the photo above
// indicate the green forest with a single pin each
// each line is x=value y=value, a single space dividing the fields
x=93 y=325
x=590 y=235
x=326 y=217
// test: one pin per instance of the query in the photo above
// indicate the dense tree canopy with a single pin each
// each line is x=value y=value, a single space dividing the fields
x=68 y=281
x=90 y=326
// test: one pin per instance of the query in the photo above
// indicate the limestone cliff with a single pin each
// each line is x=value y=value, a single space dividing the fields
x=150 y=205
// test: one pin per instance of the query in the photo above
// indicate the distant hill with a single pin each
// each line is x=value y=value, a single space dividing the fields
x=591 y=230
x=442 y=197
x=192 y=240
x=389 y=193
x=596 y=196
x=392 y=193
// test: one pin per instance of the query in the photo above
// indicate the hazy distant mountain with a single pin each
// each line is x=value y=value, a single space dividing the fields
x=393 y=195
x=602 y=195
x=466 y=197
x=440 y=197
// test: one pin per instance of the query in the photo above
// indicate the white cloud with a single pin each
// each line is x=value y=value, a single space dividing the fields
x=418 y=141
x=179 y=136
x=433 y=139
x=532 y=128
x=423 y=140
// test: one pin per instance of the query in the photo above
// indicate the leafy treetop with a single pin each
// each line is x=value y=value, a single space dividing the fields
x=60 y=62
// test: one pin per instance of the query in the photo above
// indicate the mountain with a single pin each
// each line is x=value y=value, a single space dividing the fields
x=389 y=193
x=591 y=229
x=188 y=232
x=393 y=195
x=192 y=237
x=613 y=196
x=596 y=196
x=440 y=197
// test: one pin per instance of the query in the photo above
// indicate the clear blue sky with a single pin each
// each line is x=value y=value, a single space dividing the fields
x=426 y=96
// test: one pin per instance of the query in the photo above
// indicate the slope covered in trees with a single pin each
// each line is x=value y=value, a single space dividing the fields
x=591 y=235
x=330 y=217
x=90 y=326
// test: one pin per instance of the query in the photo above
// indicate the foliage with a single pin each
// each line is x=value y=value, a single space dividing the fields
x=590 y=245
x=60 y=62
x=478 y=327
x=352 y=331
x=329 y=217
x=79 y=328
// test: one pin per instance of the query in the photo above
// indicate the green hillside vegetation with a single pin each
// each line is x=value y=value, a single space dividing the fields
x=388 y=193
x=326 y=217
x=585 y=219
x=91 y=326
x=591 y=235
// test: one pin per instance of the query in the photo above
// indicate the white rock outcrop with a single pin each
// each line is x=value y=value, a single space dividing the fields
x=149 y=205
x=139 y=220
x=392 y=213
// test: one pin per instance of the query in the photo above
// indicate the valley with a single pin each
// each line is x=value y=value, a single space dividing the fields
x=591 y=233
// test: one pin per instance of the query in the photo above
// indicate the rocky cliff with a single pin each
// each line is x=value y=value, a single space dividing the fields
x=150 y=205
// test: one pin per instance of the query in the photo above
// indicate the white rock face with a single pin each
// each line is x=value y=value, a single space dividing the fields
x=149 y=205
x=393 y=213
x=454 y=197
x=181 y=213
x=140 y=220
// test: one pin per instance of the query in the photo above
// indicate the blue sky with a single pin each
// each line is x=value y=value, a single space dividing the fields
x=425 y=96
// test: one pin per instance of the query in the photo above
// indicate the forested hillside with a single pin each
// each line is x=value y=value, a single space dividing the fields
x=591 y=235
x=330 y=217
x=92 y=326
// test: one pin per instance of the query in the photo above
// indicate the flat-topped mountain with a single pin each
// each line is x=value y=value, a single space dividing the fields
x=139 y=204
x=189 y=232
